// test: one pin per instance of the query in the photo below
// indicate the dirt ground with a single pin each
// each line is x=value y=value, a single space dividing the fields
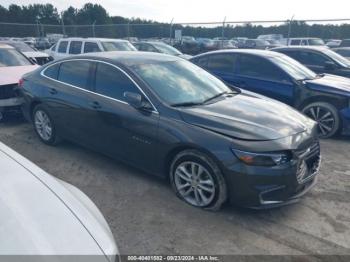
x=147 y=218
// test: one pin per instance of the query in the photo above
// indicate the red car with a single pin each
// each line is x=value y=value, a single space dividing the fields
x=13 y=65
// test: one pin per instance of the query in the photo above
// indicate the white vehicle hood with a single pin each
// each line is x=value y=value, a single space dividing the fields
x=35 y=54
x=40 y=216
x=11 y=74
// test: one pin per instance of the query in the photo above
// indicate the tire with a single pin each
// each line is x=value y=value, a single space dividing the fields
x=207 y=176
x=327 y=117
x=44 y=126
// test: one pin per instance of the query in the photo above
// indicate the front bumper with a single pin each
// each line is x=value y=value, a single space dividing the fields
x=9 y=102
x=268 y=187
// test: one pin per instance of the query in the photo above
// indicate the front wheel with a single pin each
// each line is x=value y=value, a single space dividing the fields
x=327 y=117
x=197 y=180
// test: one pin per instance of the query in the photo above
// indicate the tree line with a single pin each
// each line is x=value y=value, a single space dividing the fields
x=45 y=18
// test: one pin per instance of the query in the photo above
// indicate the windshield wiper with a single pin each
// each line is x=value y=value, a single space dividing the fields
x=218 y=95
x=186 y=104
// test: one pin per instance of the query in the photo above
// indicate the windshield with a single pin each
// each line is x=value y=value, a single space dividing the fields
x=316 y=42
x=337 y=58
x=180 y=82
x=166 y=49
x=11 y=57
x=296 y=70
x=118 y=46
x=23 y=47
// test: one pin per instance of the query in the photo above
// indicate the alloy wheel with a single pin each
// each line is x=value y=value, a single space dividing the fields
x=43 y=125
x=324 y=118
x=194 y=183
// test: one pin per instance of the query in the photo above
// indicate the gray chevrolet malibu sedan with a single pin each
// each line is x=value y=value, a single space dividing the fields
x=43 y=216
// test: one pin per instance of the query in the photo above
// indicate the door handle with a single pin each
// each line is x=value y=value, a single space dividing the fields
x=95 y=105
x=53 y=91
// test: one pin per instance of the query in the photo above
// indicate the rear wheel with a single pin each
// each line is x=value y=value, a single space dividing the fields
x=44 y=126
x=327 y=117
x=197 y=180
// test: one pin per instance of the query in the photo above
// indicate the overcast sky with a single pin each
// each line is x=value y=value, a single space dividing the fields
x=211 y=10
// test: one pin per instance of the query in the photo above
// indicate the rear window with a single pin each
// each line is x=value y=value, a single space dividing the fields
x=91 y=47
x=75 y=73
x=52 y=71
x=11 y=57
x=75 y=47
x=118 y=46
x=62 y=47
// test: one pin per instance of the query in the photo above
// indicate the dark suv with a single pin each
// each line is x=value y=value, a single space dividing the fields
x=324 y=98
x=319 y=59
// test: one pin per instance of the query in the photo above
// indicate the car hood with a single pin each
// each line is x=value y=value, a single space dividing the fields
x=330 y=84
x=40 y=215
x=35 y=54
x=248 y=116
x=11 y=74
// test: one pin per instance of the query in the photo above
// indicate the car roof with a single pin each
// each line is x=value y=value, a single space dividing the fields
x=257 y=52
x=92 y=39
x=315 y=48
x=294 y=38
x=127 y=58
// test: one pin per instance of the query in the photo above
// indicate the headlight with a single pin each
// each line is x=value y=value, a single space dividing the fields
x=263 y=159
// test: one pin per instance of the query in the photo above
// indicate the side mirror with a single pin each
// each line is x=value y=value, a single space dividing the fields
x=137 y=101
x=330 y=65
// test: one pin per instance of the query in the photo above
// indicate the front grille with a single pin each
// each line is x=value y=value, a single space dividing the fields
x=309 y=162
x=8 y=91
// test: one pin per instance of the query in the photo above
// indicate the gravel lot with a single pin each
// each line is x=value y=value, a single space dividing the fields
x=147 y=218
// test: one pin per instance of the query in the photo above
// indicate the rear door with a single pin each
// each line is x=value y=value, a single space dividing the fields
x=120 y=129
x=68 y=99
x=258 y=74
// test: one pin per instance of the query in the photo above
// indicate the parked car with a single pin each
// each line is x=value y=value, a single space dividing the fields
x=276 y=37
x=345 y=43
x=171 y=118
x=187 y=45
x=333 y=43
x=42 y=43
x=205 y=44
x=318 y=59
x=224 y=44
x=257 y=44
x=159 y=47
x=74 y=46
x=306 y=41
x=13 y=65
x=324 y=98
x=42 y=215
x=343 y=51
x=37 y=57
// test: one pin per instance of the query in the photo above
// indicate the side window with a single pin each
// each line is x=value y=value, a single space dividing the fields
x=257 y=67
x=75 y=47
x=90 y=47
x=75 y=73
x=148 y=48
x=112 y=82
x=62 y=48
x=310 y=58
x=201 y=61
x=304 y=42
x=295 y=42
x=52 y=71
x=222 y=62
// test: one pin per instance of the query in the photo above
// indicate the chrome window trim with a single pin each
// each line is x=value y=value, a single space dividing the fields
x=42 y=73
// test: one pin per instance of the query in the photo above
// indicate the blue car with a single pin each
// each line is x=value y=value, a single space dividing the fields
x=324 y=98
